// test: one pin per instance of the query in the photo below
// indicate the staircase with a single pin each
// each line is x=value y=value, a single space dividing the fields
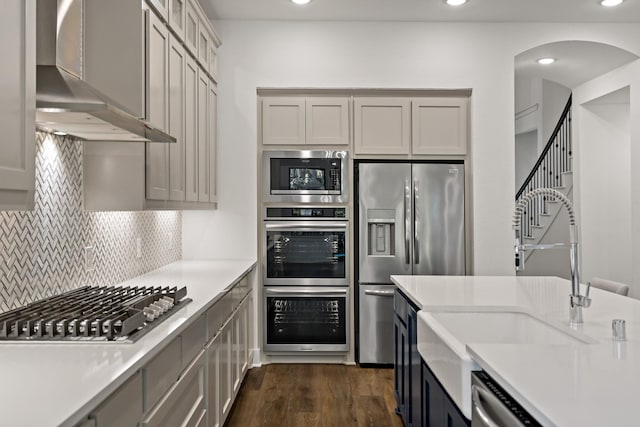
x=553 y=169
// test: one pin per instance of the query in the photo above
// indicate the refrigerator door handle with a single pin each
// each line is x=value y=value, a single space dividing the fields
x=407 y=219
x=379 y=293
x=416 y=222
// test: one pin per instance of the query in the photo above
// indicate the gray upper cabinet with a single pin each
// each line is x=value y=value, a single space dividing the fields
x=439 y=126
x=283 y=120
x=177 y=118
x=177 y=17
x=191 y=130
x=17 y=104
x=305 y=120
x=203 y=138
x=327 y=120
x=157 y=90
x=211 y=132
x=417 y=126
x=161 y=7
x=192 y=27
x=382 y=125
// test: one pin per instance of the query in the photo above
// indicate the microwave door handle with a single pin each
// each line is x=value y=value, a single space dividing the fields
x=407 y=223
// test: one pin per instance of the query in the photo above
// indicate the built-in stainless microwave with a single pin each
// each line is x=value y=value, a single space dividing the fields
x=318 y=176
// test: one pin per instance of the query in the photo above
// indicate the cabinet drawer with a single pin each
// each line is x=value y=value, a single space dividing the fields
x=123 y=407
x=184 y=404
x=193 y=340
x=240 y=290
x=219 y=313
x=161 y=373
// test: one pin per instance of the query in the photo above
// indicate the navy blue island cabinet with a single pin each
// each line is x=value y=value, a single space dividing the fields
x=421 y=399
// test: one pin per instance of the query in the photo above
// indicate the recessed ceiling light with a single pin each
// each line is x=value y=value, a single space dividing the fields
x=546 y=61
x=300 y=1
x=610 y=3
x=59 y=133
x=456 y=2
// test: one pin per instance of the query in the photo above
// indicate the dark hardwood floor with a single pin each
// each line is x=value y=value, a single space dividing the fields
x=303 y=395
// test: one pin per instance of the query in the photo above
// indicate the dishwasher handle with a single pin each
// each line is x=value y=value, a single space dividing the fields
x=488 y=411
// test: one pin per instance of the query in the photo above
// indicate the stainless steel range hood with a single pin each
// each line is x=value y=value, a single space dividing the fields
x=64 y=102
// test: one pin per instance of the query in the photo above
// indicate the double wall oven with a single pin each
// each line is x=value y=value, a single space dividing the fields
x=306 y=252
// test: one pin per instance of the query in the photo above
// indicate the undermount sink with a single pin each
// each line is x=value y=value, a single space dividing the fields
x=443 y=336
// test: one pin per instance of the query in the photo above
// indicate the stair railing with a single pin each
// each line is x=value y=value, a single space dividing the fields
x=555 y=159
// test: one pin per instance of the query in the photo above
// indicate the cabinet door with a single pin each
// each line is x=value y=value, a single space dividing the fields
x=123 y=407
x=439 y=126
x=432 y=407
x=236 y=352
x=327 y=121
x=191 y=130
x=212 y=124
x=225 y=385
x=17 y=104
x=382 y=125
x=452 y=415
x=161 y=6
x=192 y=28
x=204 y=43
x=400 y=366
x=157 y=154
x=177 y=118
x=283 y=120
x=177 y=17
x=213 y=381
x=213 y=62
x=203 y=137
x=244 y=336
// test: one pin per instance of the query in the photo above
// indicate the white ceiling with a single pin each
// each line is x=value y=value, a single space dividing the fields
x=425 y=10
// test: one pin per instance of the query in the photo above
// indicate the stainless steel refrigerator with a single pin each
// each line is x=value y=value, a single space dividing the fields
x=411 y=221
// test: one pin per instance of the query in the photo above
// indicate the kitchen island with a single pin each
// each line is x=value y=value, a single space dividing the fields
x=60 y=384
x=587 y=379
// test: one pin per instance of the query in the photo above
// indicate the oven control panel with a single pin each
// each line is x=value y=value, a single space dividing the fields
x=311 y=212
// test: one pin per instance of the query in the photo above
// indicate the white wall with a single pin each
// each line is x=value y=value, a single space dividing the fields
x=608 y=193
x=377 y=55
x=526 y=146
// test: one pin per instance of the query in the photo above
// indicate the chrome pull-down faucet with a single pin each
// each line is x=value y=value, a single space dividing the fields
x=576 y=301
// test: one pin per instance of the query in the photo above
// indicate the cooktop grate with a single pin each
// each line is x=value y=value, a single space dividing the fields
x=93 y=314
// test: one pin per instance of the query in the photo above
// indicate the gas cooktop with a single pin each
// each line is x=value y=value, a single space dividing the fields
x=93 y=314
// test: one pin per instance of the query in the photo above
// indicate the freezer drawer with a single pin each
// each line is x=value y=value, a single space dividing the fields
x=376 y=323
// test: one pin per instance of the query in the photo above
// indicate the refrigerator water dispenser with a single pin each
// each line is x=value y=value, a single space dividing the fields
x=381 y=224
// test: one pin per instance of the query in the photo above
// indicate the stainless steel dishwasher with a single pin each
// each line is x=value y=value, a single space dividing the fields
x=492 y=406
x=376 y=323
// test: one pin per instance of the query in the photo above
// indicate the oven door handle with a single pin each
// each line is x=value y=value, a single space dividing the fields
x=298 y=225
x=306 y=291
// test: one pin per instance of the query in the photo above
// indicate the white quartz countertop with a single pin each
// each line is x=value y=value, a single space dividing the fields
x=56 y=384
x=592 y=384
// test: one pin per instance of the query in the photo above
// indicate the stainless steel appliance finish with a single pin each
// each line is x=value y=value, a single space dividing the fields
x=65 y=102
x=493 y=407
x=376 y=302
x=314 y=319
x=93 y=314
x=306 y=246
x=411 y=221
x=305 y=176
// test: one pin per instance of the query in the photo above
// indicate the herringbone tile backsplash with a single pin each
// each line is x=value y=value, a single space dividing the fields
x=42 y=251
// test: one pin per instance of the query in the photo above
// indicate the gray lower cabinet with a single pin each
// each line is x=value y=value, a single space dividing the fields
x=193 y=380
x=229 y=357
x=184 y=404
x=123 y=407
